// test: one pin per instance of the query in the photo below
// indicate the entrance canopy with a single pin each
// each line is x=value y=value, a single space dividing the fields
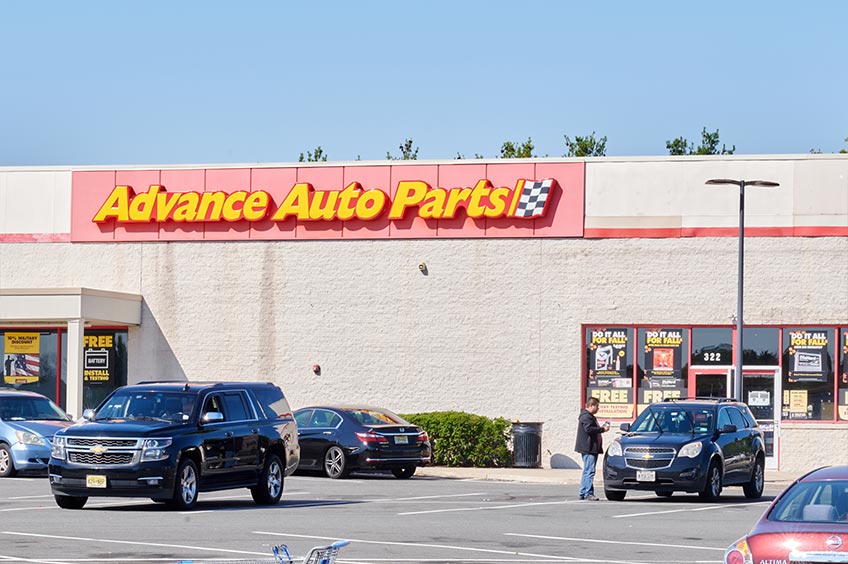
x=75 y=308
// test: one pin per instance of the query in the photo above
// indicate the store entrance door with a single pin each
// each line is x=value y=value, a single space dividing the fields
x=761 y=390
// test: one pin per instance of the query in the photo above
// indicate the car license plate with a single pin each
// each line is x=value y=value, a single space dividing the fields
x=95 y=481
x=401 y=440
x=646 y=476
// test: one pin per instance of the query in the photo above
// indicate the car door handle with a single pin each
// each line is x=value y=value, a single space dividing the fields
x=327 y=433
x=255 y=431
x=228 y=434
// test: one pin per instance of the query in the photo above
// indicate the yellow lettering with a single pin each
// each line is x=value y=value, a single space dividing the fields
x=497 y=201
x=296 y=203
x=256 y=205
x=456 y=196
x=116 y=205
x=481 y=190
x=187 y=207
x=347 y=201
x=371 y=204
x=323 y=204
x=141 y=207
x=409 y=193
x=165 y=205
x=433 y=206
x=231 y=211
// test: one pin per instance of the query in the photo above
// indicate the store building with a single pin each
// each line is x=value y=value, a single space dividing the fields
x=507 y=288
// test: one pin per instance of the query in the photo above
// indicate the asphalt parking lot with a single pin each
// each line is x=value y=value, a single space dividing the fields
x=423 y=519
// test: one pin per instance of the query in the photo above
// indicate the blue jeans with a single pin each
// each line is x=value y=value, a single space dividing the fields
x=587 y=480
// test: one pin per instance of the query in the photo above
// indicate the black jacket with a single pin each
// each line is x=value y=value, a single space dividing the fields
x=588 y=434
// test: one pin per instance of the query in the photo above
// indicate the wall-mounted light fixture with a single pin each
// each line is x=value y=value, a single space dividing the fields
x=316 y=369
x=423 y=268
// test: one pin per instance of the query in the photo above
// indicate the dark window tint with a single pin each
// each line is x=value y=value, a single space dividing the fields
x=724 y=418
x=761 y=346
x=302 y=418
x=737 y=419
x=235 y=406
x=324 y=418
x=273 y=402
x=712 y=346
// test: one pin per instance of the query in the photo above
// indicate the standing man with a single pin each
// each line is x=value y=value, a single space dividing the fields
x=589 y=444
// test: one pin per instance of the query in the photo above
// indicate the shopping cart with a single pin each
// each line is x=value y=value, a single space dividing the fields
x=317 y=555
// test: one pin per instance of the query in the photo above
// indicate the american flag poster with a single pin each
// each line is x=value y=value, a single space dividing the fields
x=21 y=362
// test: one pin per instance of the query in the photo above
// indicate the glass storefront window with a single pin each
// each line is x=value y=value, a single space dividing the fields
x=104 y=364
x=842 y=387
x=609 y=370
x=761 y=346
x=29 y=360
x=712 y=346
x=662 y=364
x=808 y=374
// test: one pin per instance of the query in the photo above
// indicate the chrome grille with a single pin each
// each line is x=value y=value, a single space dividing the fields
x=650 y=458
x=86 y=442
x=100 y=459
x=103 y=451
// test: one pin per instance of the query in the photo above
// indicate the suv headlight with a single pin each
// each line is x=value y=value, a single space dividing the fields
x=28 y=438
x=58 y=449
x=691 y=450
x=614 y=449
x=155 y=449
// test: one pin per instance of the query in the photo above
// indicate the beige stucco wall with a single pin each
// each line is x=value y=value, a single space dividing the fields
x=493 y=328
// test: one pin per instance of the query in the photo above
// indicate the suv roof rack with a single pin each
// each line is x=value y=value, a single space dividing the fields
x=702 y=398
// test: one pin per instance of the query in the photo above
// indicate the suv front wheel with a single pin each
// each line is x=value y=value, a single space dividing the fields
x=712 y=485
x=185 y=490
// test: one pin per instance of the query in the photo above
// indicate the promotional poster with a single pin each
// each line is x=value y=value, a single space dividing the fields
x=21 y=362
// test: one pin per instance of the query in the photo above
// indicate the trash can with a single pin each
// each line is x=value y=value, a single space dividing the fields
x=527 y=445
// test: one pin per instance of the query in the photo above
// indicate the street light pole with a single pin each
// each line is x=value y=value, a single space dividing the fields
x=740 y=284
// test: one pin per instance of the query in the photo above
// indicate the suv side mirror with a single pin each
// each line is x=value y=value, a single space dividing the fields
x=624 y=427
x=212 y=417
x=729 y=428
x=88 y=415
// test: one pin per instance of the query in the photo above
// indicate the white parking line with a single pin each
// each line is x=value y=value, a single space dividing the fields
x=133 y=543
x=547 y=557
x=429 y=497
x=707 y=508
x=491 y=507
x=604 y=541
x=40 y=561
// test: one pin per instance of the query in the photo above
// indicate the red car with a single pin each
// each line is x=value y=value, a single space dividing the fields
x=807 y=523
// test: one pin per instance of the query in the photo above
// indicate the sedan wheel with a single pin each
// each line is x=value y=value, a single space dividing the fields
x=403 y=473
x=335 y=464
x=7 y=467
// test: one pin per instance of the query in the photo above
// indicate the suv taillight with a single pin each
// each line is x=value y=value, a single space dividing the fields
x=423 y=437
x=372 y=437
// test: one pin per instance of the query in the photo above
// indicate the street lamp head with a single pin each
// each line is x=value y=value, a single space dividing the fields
x=762 y=183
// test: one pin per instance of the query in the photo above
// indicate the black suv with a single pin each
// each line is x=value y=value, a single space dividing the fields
x=171 y=440
x=693 y=445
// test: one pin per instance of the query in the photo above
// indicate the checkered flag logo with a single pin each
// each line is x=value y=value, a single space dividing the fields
x=534 y=198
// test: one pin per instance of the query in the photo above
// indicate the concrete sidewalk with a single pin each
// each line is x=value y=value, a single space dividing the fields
x=553 y=475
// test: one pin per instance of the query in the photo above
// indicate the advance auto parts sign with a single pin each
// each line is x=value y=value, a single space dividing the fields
x=528 y=199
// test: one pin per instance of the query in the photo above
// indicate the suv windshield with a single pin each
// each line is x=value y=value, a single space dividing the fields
x=674 y=419
x=25 y=408
x=146 y=404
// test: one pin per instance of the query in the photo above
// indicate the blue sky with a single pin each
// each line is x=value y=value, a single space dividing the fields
x=94 y=83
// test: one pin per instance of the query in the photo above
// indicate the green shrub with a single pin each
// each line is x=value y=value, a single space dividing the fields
x=465 y=439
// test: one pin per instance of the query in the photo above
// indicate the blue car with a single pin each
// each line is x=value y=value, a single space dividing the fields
x=28 y=422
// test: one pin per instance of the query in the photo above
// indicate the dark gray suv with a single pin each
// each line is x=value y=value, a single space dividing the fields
x=695 y=445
